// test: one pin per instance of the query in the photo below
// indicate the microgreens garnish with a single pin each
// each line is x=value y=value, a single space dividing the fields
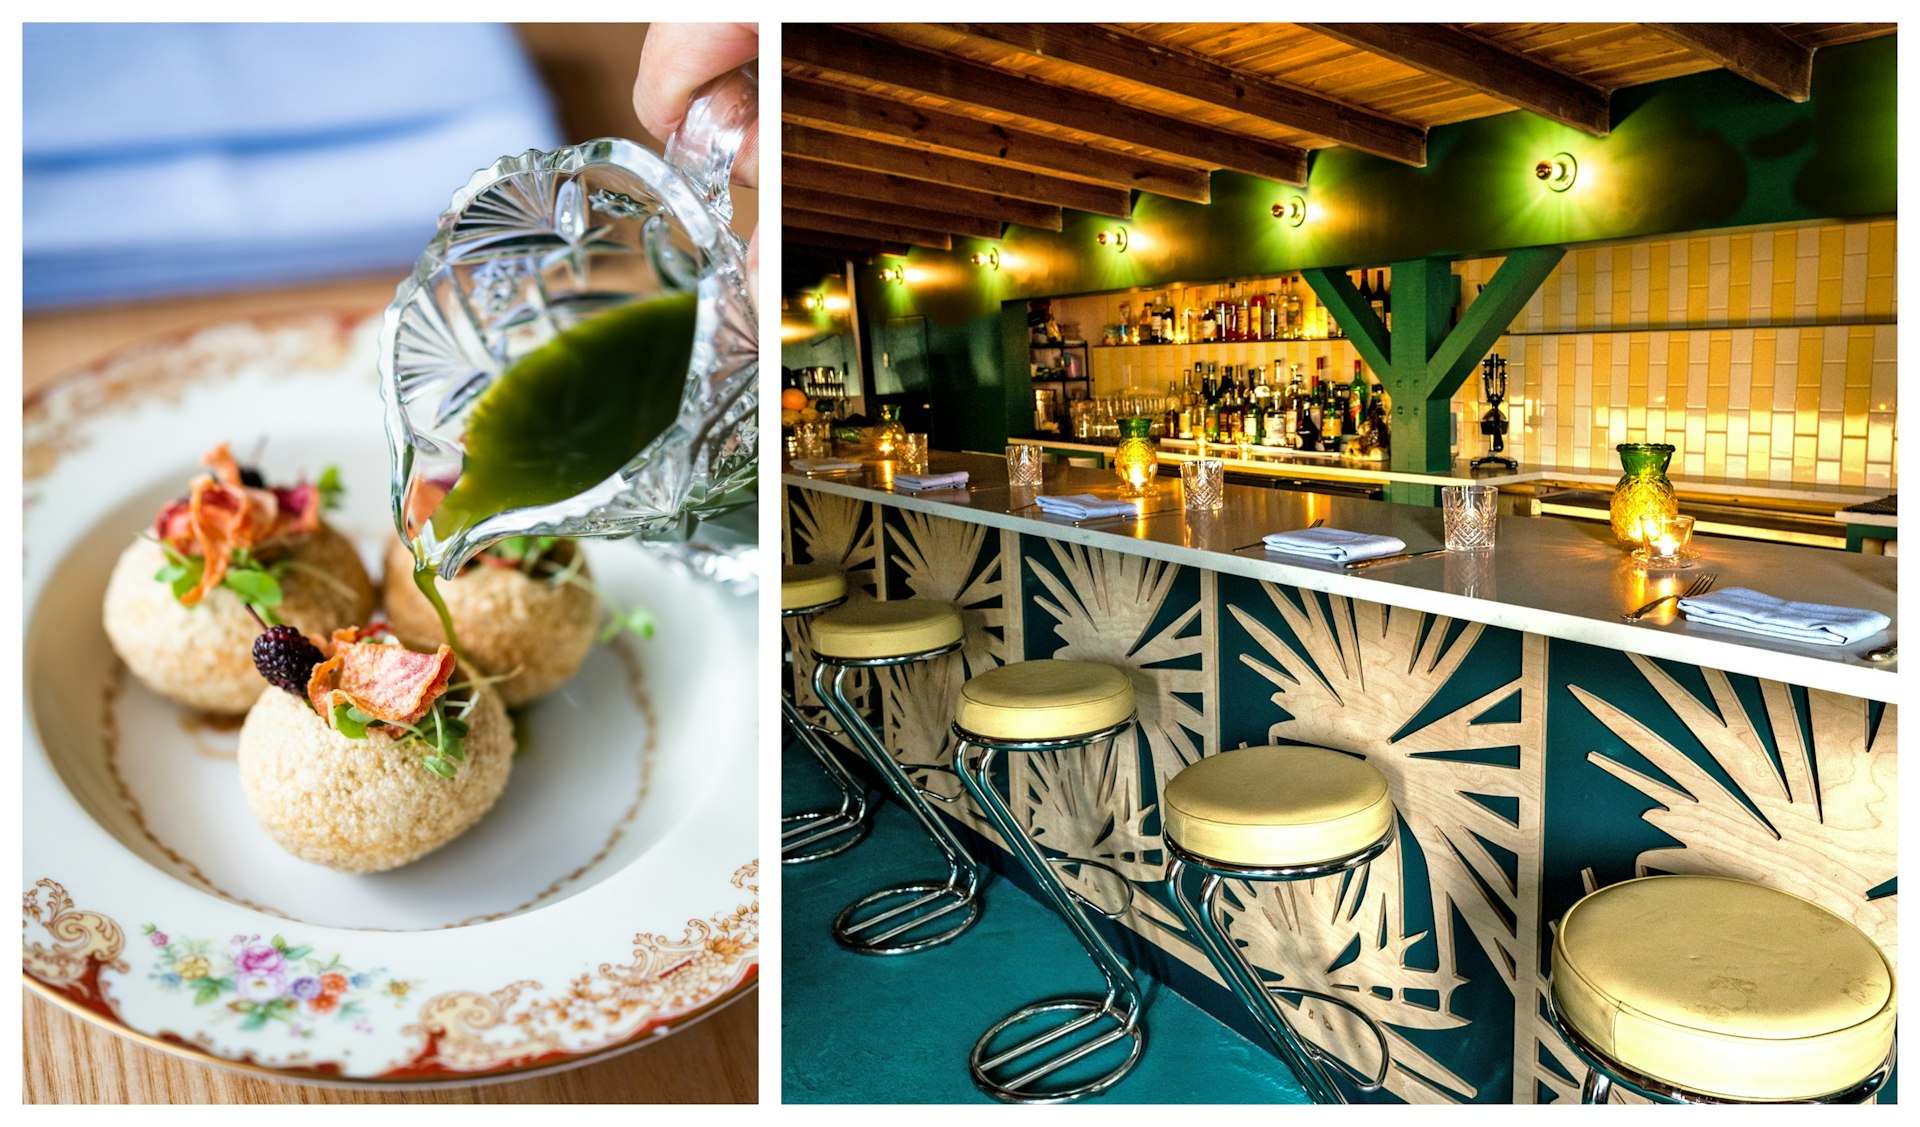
x=256 y=583
x=330 y=488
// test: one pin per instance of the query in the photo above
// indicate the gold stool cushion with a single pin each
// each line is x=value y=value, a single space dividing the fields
x=1044 y=700
x=809 y=585
x=896 y=628
x=1275 y=807
x=1724 y=987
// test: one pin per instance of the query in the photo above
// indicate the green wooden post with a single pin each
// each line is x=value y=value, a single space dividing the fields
x=1422 y=364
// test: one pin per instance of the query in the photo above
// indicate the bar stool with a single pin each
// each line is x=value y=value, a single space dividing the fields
x=807 y=590
x=1048 y=706
x=1702 y=989
x=1274 y=814
x=922 y=914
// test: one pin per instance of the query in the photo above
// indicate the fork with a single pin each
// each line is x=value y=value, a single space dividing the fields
x=1701 y=585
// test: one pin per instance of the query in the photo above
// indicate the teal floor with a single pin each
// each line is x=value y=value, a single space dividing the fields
x=861 y=1029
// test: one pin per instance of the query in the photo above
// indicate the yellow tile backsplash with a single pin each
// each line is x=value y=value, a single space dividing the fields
x=1759 y=353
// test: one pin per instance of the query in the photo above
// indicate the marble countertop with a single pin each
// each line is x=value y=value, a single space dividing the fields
x=1334 y=467
x=1561 y=578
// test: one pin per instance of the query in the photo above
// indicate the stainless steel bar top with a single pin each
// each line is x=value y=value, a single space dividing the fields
x=1547 y=575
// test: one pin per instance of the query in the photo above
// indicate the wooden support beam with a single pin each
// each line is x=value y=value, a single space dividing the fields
x=858 y=183
x=864 y=229
x=1421 y=363
x=1136 y=60
x=819 y=103
x=919 y=164
x=914 y=68
x=1757 y=52
x=839 y=245
x=1475 y=63
x=900 y=215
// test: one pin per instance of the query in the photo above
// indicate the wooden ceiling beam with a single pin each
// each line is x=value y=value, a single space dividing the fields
x=1757 y=52
x=897 y=64
x=820 y=103
x=898 y=214
x=1136 y=60
x=919 y=164
x=859 y=183
x=1477 y=64
x=864 y=229
x=839 y=244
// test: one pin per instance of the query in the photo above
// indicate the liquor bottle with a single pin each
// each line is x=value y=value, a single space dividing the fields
x=1226 y=409
x=1290 y=408
x=1257 y=312
x=1185 y=422
x=1209 y=325
x=1386 y=299
x=1366 y=292
x=1357 y=387
x=1156 y=323
x=1212 y=424
x=1294 y=328
x=1377 y=296
x=1331 y=416
x=1246 y=313
x=1307 y=428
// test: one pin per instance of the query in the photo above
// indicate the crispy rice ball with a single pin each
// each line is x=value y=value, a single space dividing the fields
x=505 y=618
x=364 y=806
x=202 y=656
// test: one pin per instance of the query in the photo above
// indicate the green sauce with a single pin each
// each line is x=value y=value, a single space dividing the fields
x=566 y=416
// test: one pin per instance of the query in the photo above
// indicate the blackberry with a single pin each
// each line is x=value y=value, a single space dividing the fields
x=251 y=478
x=286 y=659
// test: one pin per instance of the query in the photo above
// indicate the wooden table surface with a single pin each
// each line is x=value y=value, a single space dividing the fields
x=70 y=1061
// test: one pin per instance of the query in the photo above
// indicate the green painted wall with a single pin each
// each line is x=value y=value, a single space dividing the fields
x=1704 y=152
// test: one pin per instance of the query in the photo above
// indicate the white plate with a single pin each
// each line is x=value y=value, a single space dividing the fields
x=610 y=897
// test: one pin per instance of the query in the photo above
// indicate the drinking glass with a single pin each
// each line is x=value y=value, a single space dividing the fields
x=1203 y=482
x=1467 y=515
x=538 y=243
x=811 y=440
x=1023 y=466
x=913 y=453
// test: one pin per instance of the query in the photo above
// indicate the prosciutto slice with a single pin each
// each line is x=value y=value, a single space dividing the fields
x=390 y=683
x=221 y=516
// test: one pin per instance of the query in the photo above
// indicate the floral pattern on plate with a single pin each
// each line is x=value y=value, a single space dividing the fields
x=271 y=980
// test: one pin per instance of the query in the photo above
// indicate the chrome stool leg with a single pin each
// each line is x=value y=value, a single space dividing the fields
x=1202 y=914
x=1015 y=1072
x=922 y=914
x=813 y=834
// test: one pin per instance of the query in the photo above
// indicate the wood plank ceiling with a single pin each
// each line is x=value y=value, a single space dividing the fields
x=909 y=134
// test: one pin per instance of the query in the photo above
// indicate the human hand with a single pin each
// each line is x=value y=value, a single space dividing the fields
x=675 y=60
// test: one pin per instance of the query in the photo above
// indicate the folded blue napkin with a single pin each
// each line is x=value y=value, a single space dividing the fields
x=1739 y=608
x=173 y=157
x=1335 y=544
x=1080 y=506
x=823 y=465
x=921 y=481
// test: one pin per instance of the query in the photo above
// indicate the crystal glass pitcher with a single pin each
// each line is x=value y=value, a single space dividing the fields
x=541 y=243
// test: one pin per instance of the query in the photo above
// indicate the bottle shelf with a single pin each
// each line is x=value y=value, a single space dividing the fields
x=1222 y=343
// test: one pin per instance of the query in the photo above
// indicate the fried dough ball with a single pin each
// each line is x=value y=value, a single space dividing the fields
x=506 y=620
x=365 y=806
x=202 y=656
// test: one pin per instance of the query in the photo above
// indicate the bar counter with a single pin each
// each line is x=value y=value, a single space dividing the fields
x=1560 y=578
x=1536 y=745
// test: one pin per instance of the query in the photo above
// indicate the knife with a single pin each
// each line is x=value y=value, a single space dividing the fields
x=1358 y=564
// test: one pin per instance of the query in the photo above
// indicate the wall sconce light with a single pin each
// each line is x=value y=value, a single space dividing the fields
x=1292 y=211
x=1558 y=171
x=813 y=300
x=1116 y=238
x=893 y=273
x=989 y=258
